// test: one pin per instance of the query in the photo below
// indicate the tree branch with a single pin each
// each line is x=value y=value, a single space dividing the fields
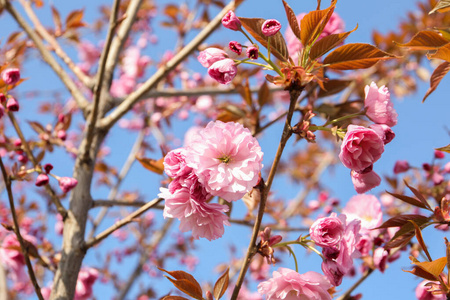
x=101 y=236
x=111 y=203
x=133 y=98
x=24 y=248
x=47 y=56
x=55 y=45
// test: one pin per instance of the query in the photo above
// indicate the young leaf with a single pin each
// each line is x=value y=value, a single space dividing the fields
x=155 y=166
x=333 y=86
x=434 y=267
x=355 y=56
x=277 y=43
x=425 y=40
x=312 y=22
x=441 y=6
x=221 y=285
x=436 y=78
x=405 y=233
x=419 y=196
x=292 y=19
x=420 y=240
x=264 y=94
x=409 y=200
x=327 y=43
x=57 y=20
x=185 y=282
x=445 y=149
x=74 y=19
x=441 y=53
x=36 y=126
x=174 y=298
x=401 y=220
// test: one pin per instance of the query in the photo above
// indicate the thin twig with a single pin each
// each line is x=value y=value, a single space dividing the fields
x=156 y=240
x=55 y=45
x=47 y=57
x=272 y=227
x=287 y=132
x=99 y=78
x=133 y=98
x=3 y=284
x=111 y=203
x=101 y=236
x=61 y=210
x=24 y=249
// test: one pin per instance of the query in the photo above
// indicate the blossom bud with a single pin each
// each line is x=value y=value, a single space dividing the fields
x=270 y=27
x=2 y=111
x=62 y=135
x=41 y=180
x=22 y=158
x=365 y=181
x=252 y=52
x=11 y=76
x=439 y=154
x=223 y=71
x=209 y=56
x=2 y=98
x=48 y=168
x=384 y=132
x=401 y=166
x=12 y=104
x=230 y=21
x=235 y=47
x=61 y=118
x=67 y=183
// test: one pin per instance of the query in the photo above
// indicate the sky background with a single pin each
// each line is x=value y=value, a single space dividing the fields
x=421 y=128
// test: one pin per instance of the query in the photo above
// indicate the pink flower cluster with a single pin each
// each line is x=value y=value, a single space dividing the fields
x=10 y=76
x=220 y=67
x=338 y=239
x=223 y=160
x=286 y=284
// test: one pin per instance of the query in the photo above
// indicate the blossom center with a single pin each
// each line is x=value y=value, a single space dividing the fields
x=225 y=159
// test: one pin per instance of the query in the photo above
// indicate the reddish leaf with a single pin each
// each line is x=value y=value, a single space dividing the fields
x=264 y=94
x=292 y=19
x=37 y=127
x=155 y=166
x=401 y=220
x=171 y=10
x=57 y=20
x=74 y=19
x=425 y=40
x=405 y=233
x=327 y=43
x=277 y=43
x=13 y=37
x=355 y=56
x=436 y=78
x=409 y=200
x=174 y=298
x=441 y=53
x=434 y=268
x=312 y=24
x=185 y=282
x=221 y=285
x=441 y=6
x=445 y=149
x=419 y=196
x=333 y=86
x=420 y=240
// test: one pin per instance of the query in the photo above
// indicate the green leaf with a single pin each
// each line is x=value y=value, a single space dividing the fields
x=355 y=56
x=277 y=43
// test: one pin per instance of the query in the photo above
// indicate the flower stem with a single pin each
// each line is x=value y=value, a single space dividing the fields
x=361 y=113
x=295 y=258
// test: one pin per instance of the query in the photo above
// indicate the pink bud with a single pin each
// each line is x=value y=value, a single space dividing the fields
x=62 y=135
x=235 y=47
x=252 y=52
x=48 y=168
x=11 y=76
x=67 y=183
x=401 y=166
x=209 y=56
x=41 y=180
x=384 y=132
x=2 y=98
x=22 y=158
x=12 y=104
x=223 y=71
x=17 y=143
x=365 y=182
x=426 y=167
x=270 y=27
x=230 y=21
x=439 y=154
x=61 y=118
x=2 y=111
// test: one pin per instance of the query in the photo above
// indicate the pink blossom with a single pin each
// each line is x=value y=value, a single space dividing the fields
x=245 y=294
x=270 y=27
x=401 y=166
x=203 y=103
x=2 y=111
x=384 y=132
x=380 y=256
x=67 y=183
x=226 y=158
x=230 y=21
x=327 y=232
x=86 y=279
x=423 y=293
x=365 y=181
x=175 y=163
x=41 y=179
x=211 y=55
x=12 y=104
x=379 y=107
x=360 y=148
x=223 y=71
x=88 y=53
x=11 y=76
x=252 y=52
x=123 y=86
x=367 y=209
x=134 y=63
x=235 y=47
x=289 y=285
x=439 y=154
x=2 y=98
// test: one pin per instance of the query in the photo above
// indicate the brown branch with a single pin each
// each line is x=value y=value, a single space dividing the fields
x=47 y=56
x=99 y=78
x=133 y=98
x=251 y=251
x=61 y=210
x=55 y=45
x=24 y=248
x=3 y=284
x=111 y=203
x=101 y=236
x=272 y=227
